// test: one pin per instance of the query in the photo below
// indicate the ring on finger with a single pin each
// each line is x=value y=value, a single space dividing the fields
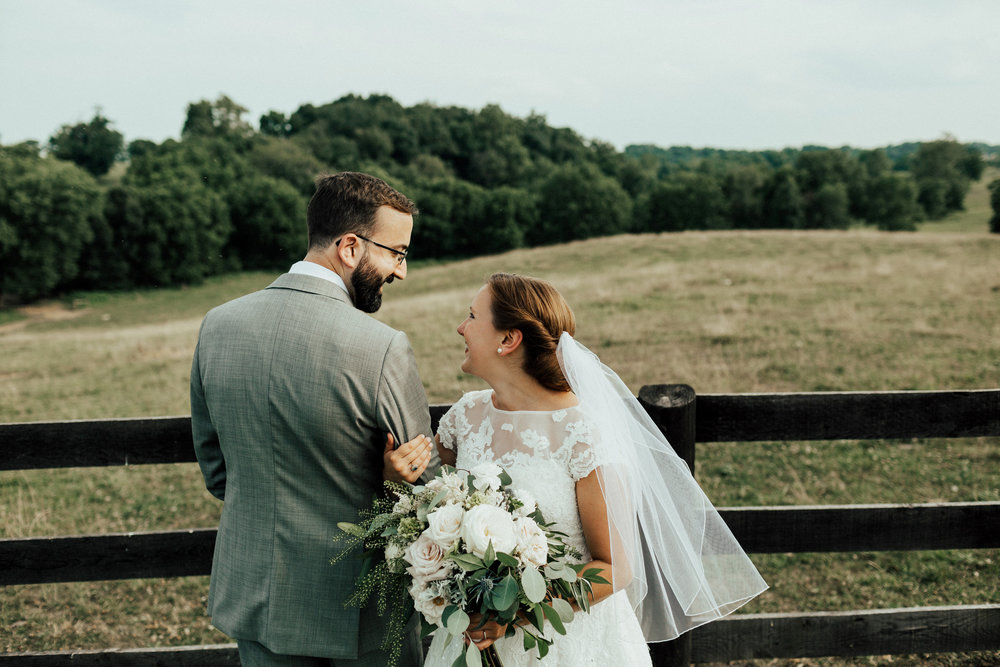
x=413 y=468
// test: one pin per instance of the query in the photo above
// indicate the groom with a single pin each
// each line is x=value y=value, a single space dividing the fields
x=297 y=400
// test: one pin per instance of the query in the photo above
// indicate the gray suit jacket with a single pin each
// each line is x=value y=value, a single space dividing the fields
x=292 y=392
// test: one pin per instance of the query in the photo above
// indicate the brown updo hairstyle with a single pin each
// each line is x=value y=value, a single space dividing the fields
x=536 y=309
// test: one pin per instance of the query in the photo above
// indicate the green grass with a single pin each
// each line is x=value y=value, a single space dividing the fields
x=724 y=312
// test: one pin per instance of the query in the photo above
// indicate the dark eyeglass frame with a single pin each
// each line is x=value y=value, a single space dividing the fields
x=400 y=254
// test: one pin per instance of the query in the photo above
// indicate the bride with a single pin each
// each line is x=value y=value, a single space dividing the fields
x=571 y=433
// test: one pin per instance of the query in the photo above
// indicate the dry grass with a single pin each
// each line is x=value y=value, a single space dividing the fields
x=723 y=312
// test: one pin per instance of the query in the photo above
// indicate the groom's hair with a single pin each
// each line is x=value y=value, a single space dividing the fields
x=346 y=203
x=536 y=309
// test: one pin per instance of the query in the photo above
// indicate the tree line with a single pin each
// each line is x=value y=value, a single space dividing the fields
x=85 y=211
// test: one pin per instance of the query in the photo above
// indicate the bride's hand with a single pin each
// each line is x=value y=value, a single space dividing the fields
x=482 y=637
x=408 y=461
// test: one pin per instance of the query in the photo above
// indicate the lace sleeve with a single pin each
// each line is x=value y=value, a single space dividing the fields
x=580 y=439
x=446 y=428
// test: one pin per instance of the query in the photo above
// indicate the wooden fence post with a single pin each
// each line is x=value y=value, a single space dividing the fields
x=672 y=408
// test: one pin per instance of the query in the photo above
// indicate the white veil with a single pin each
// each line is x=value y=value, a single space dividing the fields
x=685 y=566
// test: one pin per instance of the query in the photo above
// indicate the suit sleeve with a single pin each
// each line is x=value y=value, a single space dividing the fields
x=205 y=437
x=401 y=404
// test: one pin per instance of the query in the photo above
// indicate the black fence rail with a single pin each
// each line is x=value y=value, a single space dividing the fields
x=685 y=419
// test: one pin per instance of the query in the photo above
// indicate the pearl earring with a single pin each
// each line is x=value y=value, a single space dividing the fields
x=499 y=350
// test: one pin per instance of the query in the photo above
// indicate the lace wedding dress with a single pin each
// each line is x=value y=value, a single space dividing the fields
x=545 y=453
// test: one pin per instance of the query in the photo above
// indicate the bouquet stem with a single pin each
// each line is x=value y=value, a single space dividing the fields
x=490 y=656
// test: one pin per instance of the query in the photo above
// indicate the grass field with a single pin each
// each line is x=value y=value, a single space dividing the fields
x=723 y=312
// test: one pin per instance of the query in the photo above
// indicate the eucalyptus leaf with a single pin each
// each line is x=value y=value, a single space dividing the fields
x=504 y=594
x=563 y=608
x=457 y=622
x=529 y=641
x=472 y=657
x=533 y=584
x=552 y=616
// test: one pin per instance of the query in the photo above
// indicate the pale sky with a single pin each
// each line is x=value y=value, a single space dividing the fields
x=718 y=73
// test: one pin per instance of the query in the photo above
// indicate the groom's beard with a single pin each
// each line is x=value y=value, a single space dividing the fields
x=367 y=282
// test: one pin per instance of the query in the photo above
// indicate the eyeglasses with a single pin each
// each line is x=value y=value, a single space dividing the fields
x=400 y=254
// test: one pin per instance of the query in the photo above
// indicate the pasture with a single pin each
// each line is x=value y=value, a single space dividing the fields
x=724 y=312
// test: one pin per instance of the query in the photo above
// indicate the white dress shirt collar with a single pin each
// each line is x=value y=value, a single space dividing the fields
x=315 y=270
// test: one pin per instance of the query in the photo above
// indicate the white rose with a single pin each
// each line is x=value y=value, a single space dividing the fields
x=444 y=525
x=426 y=559
x=429 y=601
x=485 y=523
x=487 y=476
x=532 y=545
x=527 y=502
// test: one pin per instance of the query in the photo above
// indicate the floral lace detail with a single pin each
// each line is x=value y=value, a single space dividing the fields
x=507 y=427
x=558 y=415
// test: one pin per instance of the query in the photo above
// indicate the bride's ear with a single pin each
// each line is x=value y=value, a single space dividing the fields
x=512 y=340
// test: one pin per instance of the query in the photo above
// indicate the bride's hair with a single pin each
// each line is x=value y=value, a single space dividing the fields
x=536 y=309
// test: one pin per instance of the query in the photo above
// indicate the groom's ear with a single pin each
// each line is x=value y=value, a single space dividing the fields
x=348 y=250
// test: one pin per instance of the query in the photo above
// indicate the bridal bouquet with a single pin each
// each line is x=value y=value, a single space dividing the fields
x=466 y=542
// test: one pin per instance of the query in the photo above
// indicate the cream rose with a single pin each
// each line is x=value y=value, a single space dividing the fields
x=532 y=545
x=485 y=523
x=444 y=525
x=426 y=559
x=487 y=476
x=527 y=502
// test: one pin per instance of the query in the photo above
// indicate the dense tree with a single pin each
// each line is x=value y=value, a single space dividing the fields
x=275 y=124
x=577 y=201
x=892 y=202
x=744 y=189
x=685 y=201
x=828 y=207
x=47 y=207
x=169 y=232
x=944 y=170
x=287 y=160
x=222 y=118
x=94 y=146
x=784 y=207
x=268 y=224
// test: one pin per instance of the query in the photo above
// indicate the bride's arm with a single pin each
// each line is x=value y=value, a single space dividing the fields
x=448 y=456
x=599 y=535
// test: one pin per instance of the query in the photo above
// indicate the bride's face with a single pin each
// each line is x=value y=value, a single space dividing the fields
x=481 y=339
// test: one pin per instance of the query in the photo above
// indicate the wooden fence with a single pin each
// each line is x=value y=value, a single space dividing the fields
x=685 y=419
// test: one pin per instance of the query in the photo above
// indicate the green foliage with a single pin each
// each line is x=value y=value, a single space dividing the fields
x=892 y=202
x=169 y=232
x=484 y=180
x=93 y=146
x=577 y=201
x=268 y=223
x=685 y=201
x=46 y=211
x=784 y=207
x=944 y=169
x=827 y=208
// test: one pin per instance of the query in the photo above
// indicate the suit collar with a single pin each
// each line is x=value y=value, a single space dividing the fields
x=305 y=283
